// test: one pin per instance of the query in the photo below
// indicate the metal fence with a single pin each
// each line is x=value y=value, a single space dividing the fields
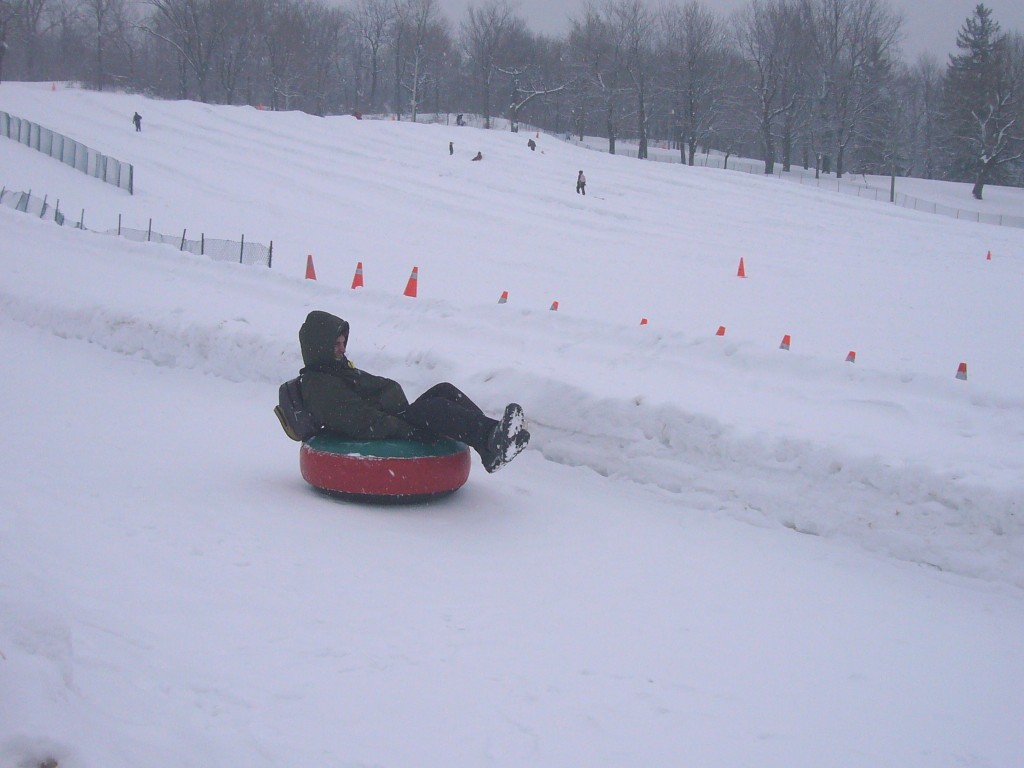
x=908 y=201
x=745 y=165
x=68 y=151
x=237 y=251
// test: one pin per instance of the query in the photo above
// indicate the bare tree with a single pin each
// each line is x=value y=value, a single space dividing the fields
x=924 y=118
x=733 y=131
x=598 y=62
x=632 y=28
x=851 y=38
x=693 y=46
x=765 y=32
x=397 y=34
x=194 y=28
x=234 y=56
x=796 y=125
x=485 y=34
x=66 y=23
x=33 y=17
x=422 y=23
x=373 y=19
x=325 y=26
x=284 y=39
x=10 y=14
x=525 y=66
x=98 y=14
x=552 y=77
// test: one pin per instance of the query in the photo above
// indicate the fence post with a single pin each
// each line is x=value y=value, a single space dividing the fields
x=119 y=225
x=241 y=251
x=270 y=256
x=43 y=212
x=202 y=244
x=149 y=232
x=182 y=247
x=81 y=220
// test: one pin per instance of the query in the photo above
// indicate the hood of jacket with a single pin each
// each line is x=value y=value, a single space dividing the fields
x=317 y=336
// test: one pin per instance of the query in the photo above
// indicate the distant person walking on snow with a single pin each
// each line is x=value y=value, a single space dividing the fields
x=451 y=147
x=532 y=145
x=581 y=184
x=479 y=156
x=137 y=119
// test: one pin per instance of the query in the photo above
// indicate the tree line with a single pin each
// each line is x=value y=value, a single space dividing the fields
x=809 y=83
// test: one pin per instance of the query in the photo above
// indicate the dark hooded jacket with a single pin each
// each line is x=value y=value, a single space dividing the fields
x=349 y=402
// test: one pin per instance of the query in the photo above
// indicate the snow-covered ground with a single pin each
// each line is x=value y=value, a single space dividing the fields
x=715 y=553
x=999 y=205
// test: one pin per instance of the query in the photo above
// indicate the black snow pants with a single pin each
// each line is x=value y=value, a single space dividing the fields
x=445 y=410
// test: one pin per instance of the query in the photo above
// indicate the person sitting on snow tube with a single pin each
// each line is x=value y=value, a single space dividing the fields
x=358 y=405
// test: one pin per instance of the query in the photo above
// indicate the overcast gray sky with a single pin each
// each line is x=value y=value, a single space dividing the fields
x=929 y=25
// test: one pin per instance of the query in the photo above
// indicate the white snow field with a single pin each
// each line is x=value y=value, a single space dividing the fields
x=715 y=553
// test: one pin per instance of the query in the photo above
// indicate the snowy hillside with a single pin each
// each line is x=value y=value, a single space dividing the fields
x=634 y=590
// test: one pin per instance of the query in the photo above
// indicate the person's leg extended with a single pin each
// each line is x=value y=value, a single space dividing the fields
x=453 y=393
x=445 y=410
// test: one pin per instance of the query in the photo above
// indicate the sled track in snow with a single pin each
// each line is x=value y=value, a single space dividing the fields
x=908 y=513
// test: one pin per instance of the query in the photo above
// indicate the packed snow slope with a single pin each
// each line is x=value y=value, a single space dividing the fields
x=636 y=589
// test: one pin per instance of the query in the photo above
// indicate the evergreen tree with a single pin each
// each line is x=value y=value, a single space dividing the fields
x=984 y=93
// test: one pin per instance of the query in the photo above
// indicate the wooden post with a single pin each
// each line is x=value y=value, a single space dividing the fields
x=182 y=246
x=241 y=251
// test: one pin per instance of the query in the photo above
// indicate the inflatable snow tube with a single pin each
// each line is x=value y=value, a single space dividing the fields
x=384 y=471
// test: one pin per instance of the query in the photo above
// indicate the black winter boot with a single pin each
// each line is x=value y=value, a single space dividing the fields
x=507 y=440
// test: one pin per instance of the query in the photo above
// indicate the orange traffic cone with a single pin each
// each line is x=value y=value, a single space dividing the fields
x=989 y=257
x=310 y=272
x=741 y=272
x=961 y=372
x=851 y=356
x=720 y=331
x=643 y=321
x=410 y=287
x=53 y=86
x=554 y=306
x=357 y=280
x=504 y=297
x=785 y=342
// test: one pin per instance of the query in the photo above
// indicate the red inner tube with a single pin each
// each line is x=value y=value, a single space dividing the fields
x=385 y=469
